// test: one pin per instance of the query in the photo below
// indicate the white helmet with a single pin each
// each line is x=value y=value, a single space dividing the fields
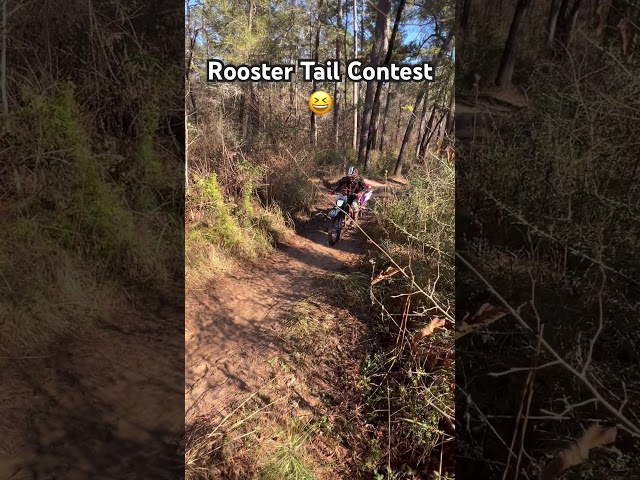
x=352 y=171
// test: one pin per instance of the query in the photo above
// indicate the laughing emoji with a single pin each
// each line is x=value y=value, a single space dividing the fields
x=320 y=102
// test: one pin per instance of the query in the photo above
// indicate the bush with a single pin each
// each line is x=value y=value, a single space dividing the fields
x=73 y=210
x=218 y=231
x=421 y=220
x=404 y=378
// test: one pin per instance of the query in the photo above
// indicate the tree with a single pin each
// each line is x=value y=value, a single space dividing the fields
x=385 y=117
x=3 y=65
x=465 y=14
x=354 y=142
x=336 y=95
x=383 y=8
x=422 y=93
x=428 y=131
x=510 y=52
x=447 y=129
x=561 y=23
x=316 y=48
x=373 y=125
x=423 y=116
x=193 y=38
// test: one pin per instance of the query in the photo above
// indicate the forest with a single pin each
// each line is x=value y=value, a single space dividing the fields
x=306 y=360
x=547 y=195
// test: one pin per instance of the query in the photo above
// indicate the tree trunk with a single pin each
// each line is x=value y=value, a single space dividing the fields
x=383 y=8
x=448 y=127
x=424 y=133
x=423 y=116
x=409 y=130
x=385 y=117
x=354 y=143
x=3 y=67
x=572 y=21
x=336 y=95
x=192 y=46
x=424 y=141
x=370 y=134
x=314 y=123
x=616 y=12
x=436 y=127
x=510 y=53
x=465 y=15
x=395 y=136
x=565 y=28
x=423 y=92
x=601 y=11
x=373 y=128
x=552 y=24
x=362 y=15
x=346 y=83
x=251 y=9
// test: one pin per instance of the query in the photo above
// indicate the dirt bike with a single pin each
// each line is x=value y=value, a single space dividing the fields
x=342 y=210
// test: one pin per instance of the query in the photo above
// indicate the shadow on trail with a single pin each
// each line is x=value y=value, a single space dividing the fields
x=106 y=404
x=234 y=326
x=231 y=332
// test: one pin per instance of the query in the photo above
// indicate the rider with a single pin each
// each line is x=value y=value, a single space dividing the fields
x=351 y=185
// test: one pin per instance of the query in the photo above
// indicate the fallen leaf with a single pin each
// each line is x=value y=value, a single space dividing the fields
x=389 y=272
x=595 y=436
x=486 y=315
x=428 y=329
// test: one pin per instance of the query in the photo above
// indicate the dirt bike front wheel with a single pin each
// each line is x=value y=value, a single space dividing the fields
x=335 y=229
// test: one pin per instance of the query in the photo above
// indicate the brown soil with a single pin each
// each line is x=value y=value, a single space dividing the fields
x=231 y=327
x=107 y=404
x=104 y=405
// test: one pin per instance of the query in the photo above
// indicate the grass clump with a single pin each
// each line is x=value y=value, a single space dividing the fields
x=420 y=222
x=295 y=425
x=289 y=460
x=304 y=326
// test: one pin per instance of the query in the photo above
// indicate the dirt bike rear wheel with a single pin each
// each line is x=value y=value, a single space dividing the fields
x=335 y=229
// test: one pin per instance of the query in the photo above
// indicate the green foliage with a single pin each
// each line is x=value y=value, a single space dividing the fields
x=422 y=219
x=402 y=380
x=551 y=197
x=220 y=227
x=79 y=223
x=289 y=462
x=247 y=206
x=573 y=183
x=244 y=232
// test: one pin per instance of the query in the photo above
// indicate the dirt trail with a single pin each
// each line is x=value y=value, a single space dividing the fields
x=230 y=325
x=101 y=405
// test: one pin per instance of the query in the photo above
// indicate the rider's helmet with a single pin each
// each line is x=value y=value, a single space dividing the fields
x=352 y=172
